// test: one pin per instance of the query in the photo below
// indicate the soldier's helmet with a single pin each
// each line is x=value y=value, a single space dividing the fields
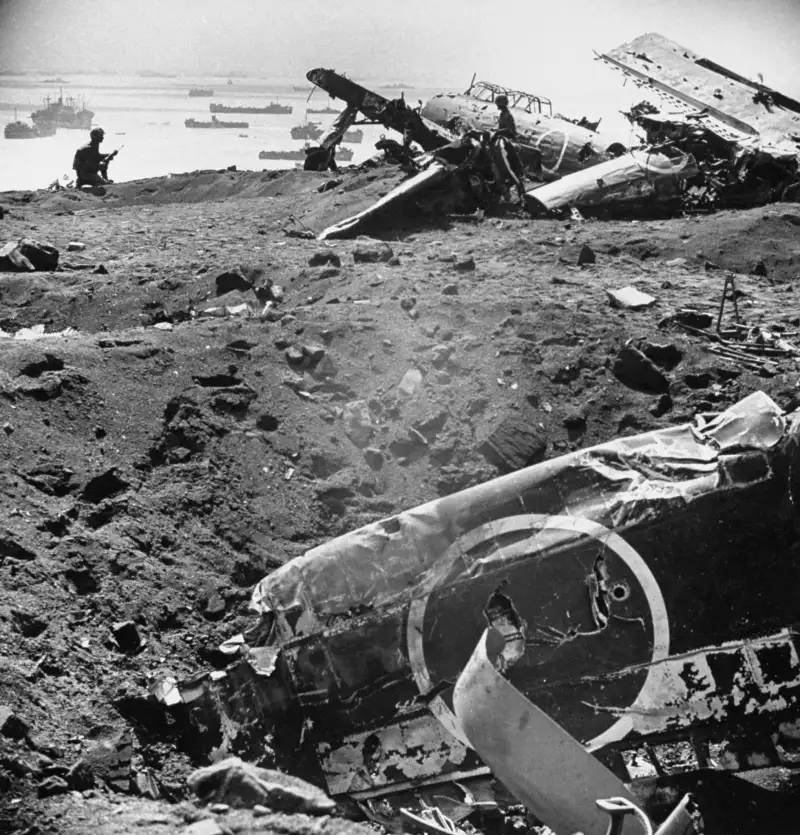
x=97 y=133
x=501 y=101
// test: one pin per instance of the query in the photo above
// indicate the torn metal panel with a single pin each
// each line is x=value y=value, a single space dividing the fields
x=631 y=566
x=636 y=178
x=434 y=173
x=690 y=82
x=536 y=759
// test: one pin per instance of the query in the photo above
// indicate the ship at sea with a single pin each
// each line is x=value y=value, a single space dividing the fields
x=310 y=130
x=342 y=154
x=22 y=130
x=353 y=136
x=199 y=91
x=63 y=113
x=324 y=110
x=214 y=123
x=272 y=107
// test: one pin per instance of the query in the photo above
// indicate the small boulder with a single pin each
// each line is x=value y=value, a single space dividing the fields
x=11 y=725
x=372 y=252
x=53 y=785
x=242 y=785
x=514 y=444
x=410 y=383
x=450 y=290
x=324 y=256
x=374 y=458
x=232 y=280
x=464 y=265
x=759 y=269
x=127 y=636
x=75 y=246
x=586 y=255
x=358 y=422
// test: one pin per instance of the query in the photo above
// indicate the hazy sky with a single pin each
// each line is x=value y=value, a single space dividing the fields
x=541 y=47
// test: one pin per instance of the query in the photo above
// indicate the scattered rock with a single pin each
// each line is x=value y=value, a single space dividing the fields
x=450 y=290
x=410 y=383
x=586 y=255
x=635 y=370
x=75 y=246
x=372 y=253
x=676 y=262
x=358 y=423
x=27 y=623
x=10 y=546
x=294 y=355
x=232 y=280
x=661 y=406
x=100 y=269
x=441 y=354
x=431 y=424
x=698 y=379
x=51 y=786
x=464 y=265
x=409 y=448
x=374 y=458
x=12 y=260
x=241 y=785
x=759 y=268
x=514 y=444
x=324 y=256
x=41 y=256
x=127 y=636
x=108 y=756
x=11 y=725
x=103 y=486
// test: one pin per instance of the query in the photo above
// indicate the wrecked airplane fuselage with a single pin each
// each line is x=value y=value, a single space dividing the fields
x=563 y=147
x=646 y=589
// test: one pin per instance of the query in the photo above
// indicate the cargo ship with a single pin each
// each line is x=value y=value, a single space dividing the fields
x=324 y=110
x=22 y=130
x=342 y=154
x=310 y=130
x=62 y=113
x=214 y=123
x=272 y=107
x=199 y=91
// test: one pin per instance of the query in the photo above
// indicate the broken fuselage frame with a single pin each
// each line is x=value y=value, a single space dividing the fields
x=654 y=578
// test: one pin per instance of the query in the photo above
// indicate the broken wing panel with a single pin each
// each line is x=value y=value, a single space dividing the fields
x=675 y=72
x=637 y=177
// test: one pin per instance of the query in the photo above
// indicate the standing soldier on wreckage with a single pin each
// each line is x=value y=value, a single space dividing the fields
x=507 y=128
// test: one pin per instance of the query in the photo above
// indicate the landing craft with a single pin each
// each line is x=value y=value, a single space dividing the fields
x=645 y=590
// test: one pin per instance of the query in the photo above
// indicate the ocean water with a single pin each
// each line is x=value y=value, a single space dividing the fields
x=145 y=115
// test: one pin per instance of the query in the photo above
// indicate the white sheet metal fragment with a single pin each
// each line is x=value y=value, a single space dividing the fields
x=535 y=758
x=635 y=176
